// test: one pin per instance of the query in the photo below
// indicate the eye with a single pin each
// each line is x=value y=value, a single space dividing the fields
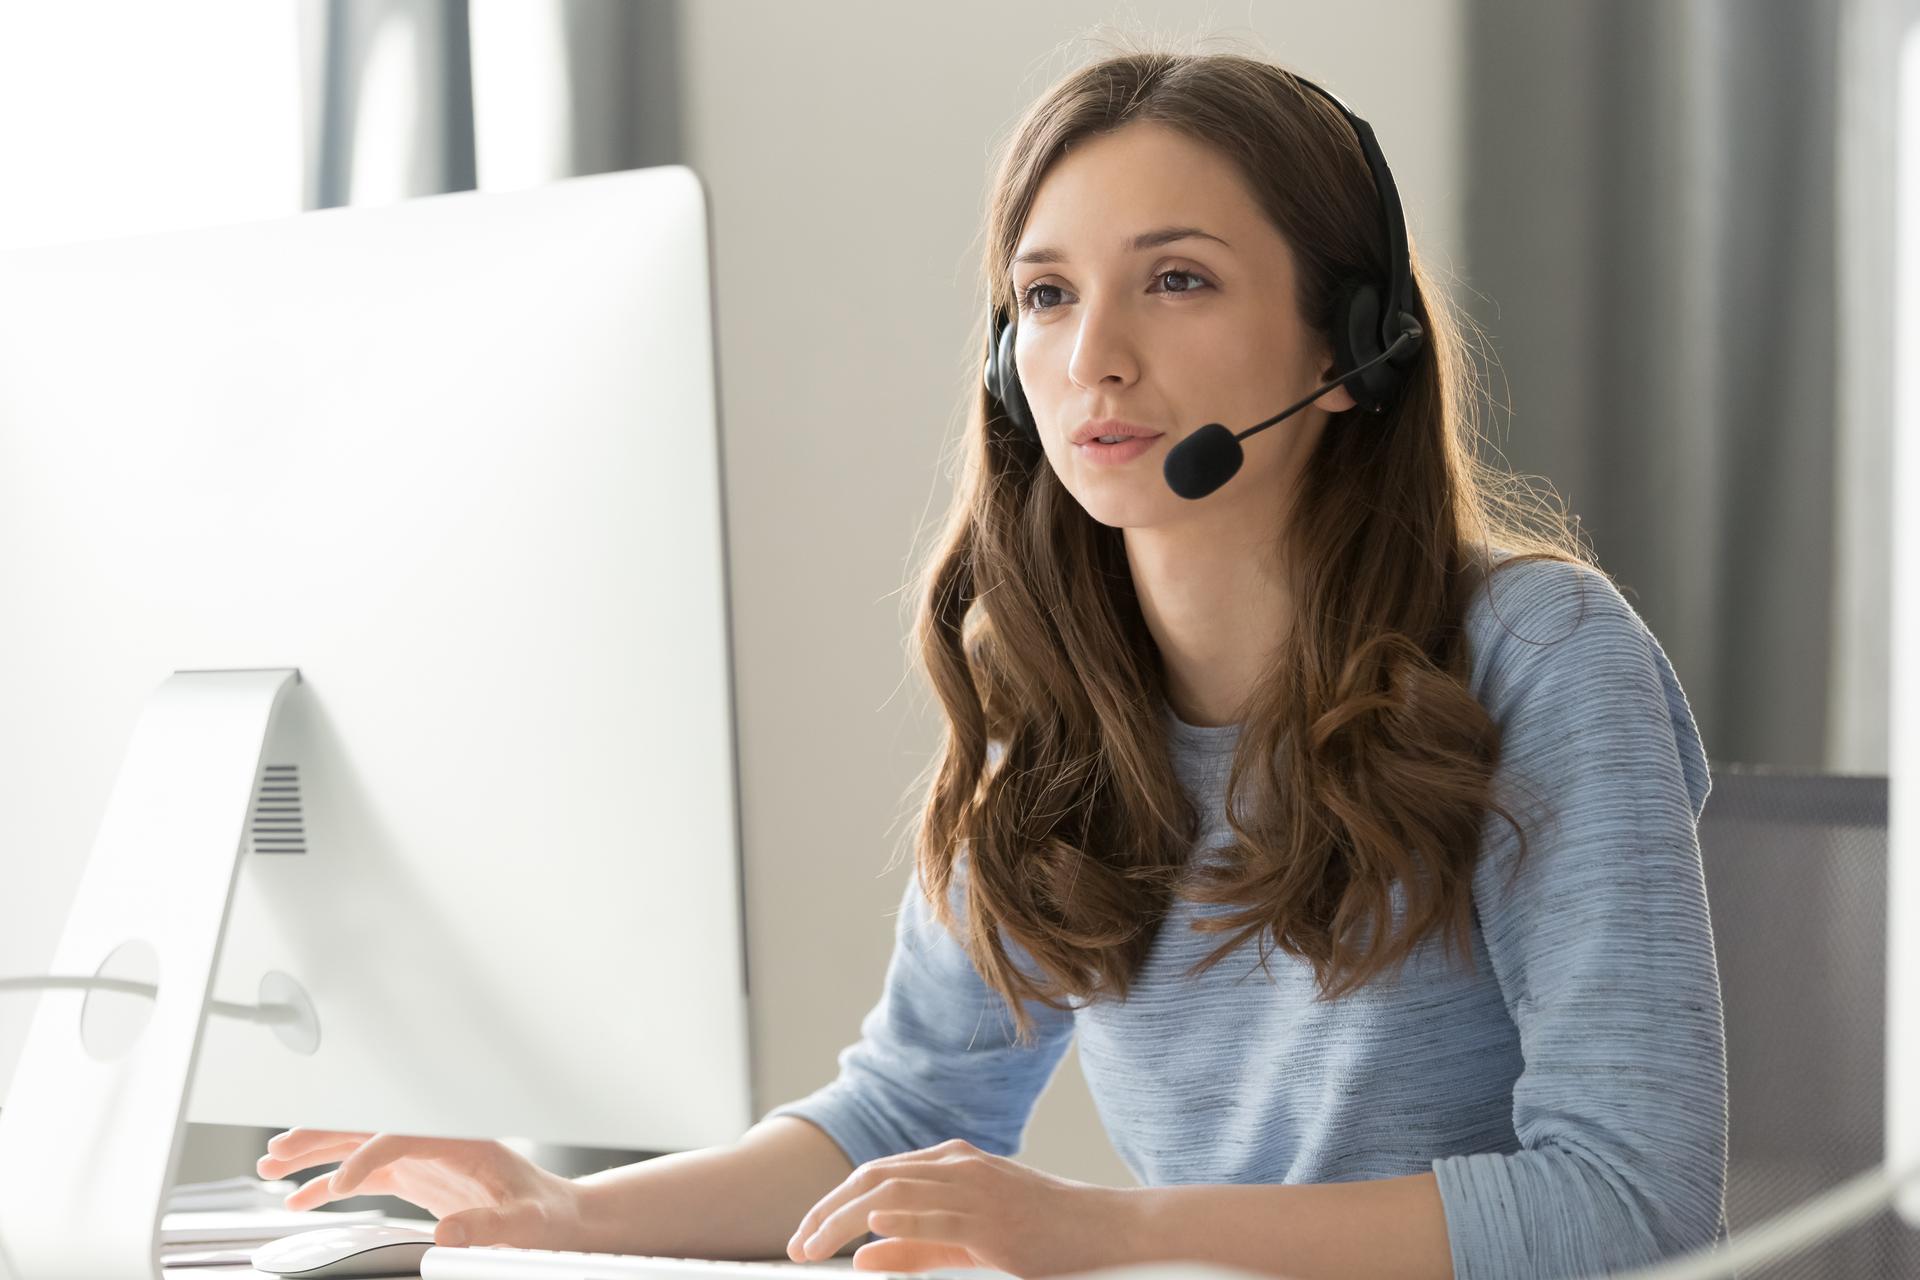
x=1191 y=275
x=1026 y=297
x=1028 y=301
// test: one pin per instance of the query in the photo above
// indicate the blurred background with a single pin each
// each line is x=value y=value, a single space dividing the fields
x=1672 y=219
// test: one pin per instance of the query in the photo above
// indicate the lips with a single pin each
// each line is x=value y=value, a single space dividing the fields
x=1113 y=454
x=1094 y=428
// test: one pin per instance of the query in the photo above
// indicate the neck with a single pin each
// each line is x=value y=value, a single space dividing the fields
x=1218 y=606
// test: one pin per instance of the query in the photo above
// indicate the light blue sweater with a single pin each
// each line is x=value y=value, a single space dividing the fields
x=1569 y=1093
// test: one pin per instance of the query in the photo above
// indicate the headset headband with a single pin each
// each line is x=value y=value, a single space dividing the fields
x=1392 y=219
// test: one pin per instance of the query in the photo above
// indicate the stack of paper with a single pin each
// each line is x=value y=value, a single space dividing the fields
x=230 y=1194
x=200 y=1238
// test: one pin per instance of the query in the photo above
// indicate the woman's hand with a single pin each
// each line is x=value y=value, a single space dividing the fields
x=482 y=1192
x=955 y=1205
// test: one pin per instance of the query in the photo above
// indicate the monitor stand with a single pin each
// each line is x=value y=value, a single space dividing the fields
x=90 y=1134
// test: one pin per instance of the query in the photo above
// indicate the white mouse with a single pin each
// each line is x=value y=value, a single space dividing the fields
x=363 y=1249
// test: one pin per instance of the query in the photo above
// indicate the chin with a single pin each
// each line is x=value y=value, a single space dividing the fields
x=1126 y=510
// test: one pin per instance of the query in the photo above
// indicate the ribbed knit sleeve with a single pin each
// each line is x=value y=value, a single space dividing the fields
x=1600 y=940
x=937 y=1057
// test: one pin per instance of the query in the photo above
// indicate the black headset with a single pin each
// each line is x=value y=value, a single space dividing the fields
x=1376 y=344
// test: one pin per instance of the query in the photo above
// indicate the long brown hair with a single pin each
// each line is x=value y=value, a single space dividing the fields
x=1366 y=761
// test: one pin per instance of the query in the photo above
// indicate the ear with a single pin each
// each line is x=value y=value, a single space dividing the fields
x=1338 y=400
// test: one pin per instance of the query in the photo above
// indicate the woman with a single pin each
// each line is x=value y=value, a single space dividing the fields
x=1344 y=814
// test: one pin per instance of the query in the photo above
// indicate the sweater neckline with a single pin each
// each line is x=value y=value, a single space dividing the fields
x=1205 y=739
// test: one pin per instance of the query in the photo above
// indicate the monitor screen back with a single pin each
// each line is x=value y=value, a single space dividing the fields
x=457 y=461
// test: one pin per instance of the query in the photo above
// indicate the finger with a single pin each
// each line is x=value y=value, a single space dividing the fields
x=849 y=1186
x=947 y=1226
x=863 y=1177
x=930 y=1163
x=312 y=1194
x=911 y=1255
x=381 y=1149
x=273 y=1165
x=850 y=1219
x=521 y=1223
x=294 y=1141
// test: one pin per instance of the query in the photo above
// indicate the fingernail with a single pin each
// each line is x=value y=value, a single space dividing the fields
x=453 y=1235
x=340 y=1186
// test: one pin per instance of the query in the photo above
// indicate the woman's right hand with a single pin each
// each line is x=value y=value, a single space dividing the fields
x=482 y=1192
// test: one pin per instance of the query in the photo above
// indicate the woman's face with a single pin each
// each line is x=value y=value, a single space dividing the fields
x=1170 y=335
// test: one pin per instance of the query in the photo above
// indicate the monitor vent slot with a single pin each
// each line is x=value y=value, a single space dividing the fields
x=278 y=825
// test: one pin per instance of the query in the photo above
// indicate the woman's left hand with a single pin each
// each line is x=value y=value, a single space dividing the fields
x=955 y=1205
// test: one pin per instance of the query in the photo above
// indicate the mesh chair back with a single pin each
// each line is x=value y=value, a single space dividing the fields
x=1796 y=869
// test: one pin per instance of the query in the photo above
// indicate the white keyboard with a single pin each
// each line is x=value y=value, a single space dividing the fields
x=498 y=1262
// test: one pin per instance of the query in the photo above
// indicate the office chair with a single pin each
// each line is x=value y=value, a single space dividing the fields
x=1796 y=870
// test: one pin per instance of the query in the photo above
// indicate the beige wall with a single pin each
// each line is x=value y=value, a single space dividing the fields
x=846 y=149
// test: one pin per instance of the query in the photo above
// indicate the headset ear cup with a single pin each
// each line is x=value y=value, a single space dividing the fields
x=1004 y=379
x=1356 y=334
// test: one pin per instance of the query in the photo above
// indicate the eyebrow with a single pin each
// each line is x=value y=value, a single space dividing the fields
x=1145 y=240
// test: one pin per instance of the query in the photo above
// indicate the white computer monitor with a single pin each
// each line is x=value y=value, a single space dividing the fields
x=1903 y=747
x=457 y=462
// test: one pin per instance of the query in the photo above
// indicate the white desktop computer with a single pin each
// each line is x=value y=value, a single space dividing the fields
x=366 y=674
x=1903 y=748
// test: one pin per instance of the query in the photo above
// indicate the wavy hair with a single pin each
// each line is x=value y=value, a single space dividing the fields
x=1364 y=769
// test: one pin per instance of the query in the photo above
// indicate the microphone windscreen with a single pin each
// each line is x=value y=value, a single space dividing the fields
x=1203 y=461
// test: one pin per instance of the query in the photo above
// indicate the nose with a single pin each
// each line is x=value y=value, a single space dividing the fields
x=1103 y=350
